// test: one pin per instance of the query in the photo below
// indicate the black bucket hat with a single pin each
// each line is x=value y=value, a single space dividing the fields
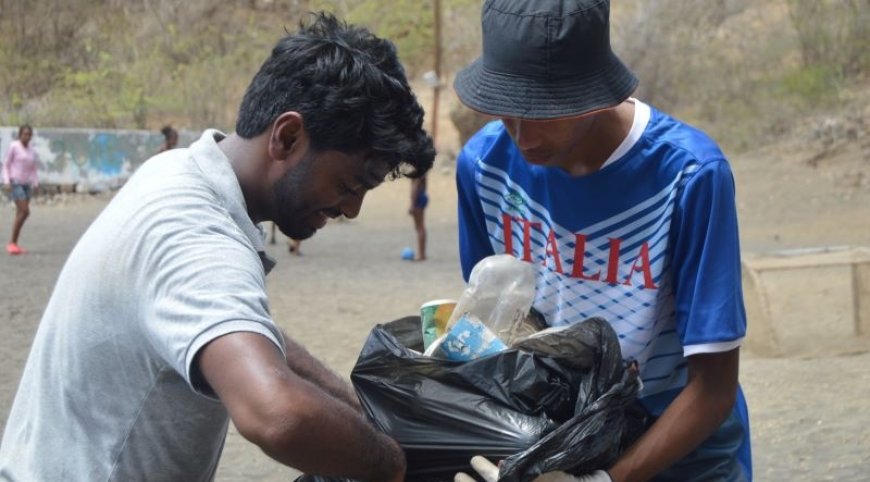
x=545 y=59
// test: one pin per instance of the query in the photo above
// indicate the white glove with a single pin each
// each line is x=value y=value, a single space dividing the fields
x=489 y=472
x=482 y=466
x=559 y=476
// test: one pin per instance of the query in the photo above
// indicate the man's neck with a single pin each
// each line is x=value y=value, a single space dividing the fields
x=239 y=150
x=605 y=135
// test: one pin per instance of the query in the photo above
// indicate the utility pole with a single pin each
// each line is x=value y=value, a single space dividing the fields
x=437 y=87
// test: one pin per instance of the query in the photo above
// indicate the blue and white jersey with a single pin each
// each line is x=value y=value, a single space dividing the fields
x=649 y=242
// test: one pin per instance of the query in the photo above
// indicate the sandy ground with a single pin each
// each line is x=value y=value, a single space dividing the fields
x=810 y=415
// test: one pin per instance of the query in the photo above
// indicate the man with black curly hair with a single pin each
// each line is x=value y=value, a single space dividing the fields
x=158 y=332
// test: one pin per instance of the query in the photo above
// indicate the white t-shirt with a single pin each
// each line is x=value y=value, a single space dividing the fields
x=110 y=390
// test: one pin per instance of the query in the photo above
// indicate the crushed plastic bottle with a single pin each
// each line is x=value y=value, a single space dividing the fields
x=500 y=293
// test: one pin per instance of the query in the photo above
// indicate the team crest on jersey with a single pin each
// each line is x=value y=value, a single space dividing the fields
x=514 y=201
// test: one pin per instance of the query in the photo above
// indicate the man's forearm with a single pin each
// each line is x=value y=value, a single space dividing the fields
x=292 y=419
x=701 y=407
x=335 y=440
x=311 y=369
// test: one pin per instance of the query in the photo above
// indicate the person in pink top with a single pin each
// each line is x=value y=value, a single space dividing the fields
x=19 y=177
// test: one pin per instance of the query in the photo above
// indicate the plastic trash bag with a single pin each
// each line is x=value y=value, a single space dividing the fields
x=443 y=412
x=561 y=411
x=607 y=417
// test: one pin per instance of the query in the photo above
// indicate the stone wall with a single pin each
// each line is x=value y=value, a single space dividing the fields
x=90 y=159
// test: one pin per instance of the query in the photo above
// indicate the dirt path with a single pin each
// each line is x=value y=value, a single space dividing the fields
x=810 y=417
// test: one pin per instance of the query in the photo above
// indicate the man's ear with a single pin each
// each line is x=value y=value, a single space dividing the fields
x=288 y=138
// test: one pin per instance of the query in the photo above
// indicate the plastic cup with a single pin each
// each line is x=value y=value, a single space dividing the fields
x=434 y=315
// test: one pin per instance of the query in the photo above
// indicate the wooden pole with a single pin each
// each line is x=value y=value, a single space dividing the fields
x=437 y=88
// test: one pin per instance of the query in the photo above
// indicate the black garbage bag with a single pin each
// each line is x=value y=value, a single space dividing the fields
x=606 y=417
x=560 y=401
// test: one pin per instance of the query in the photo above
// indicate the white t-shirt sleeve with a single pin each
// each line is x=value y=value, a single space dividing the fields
x=204 y=280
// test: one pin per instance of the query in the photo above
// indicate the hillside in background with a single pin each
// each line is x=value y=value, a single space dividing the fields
x=746 y=71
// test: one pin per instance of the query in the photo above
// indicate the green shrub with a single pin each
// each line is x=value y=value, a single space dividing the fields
x=811 y=85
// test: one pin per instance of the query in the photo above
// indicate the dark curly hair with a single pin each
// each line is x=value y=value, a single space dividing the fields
x=351 y=91
x=167 y=131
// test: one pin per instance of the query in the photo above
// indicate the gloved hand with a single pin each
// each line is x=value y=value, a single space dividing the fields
x=482 y=466
x=559 y=476
x=489 y=472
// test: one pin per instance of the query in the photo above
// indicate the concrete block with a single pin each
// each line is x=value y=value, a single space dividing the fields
x=809 y=302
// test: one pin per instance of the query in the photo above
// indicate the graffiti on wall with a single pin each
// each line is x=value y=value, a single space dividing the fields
x=95 y=158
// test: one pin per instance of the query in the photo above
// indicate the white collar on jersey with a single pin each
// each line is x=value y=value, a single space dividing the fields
x=641 y=119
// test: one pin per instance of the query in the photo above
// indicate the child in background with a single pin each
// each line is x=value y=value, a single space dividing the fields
x=419 y=200
x=20 y=177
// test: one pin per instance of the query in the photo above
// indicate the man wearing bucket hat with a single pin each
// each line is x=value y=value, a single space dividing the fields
x=626 y=213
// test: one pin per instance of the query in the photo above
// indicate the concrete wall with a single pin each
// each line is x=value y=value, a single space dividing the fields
x=90 y=158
